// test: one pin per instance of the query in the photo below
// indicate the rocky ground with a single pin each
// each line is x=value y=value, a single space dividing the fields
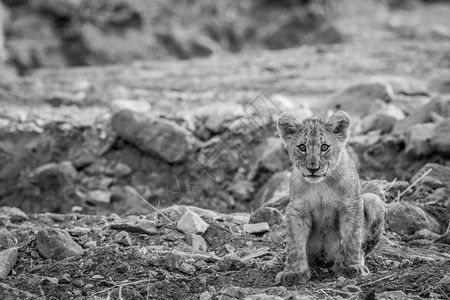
x=91 y=209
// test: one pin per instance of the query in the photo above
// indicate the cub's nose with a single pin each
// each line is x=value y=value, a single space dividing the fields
x=313 y=170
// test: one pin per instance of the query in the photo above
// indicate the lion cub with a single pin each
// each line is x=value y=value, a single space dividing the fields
x=327 y=219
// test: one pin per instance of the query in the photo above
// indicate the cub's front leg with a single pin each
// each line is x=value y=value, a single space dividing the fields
x=298 y=228
x=350 y=260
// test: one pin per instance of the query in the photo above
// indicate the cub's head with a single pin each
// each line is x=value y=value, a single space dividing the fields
x=314 y=146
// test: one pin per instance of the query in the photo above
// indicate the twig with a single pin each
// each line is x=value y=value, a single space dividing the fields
x=328 y=296
x=148 y=285
x=391 y=184
x=158 y=210
x=378 y=280
x=8 y=287
x=412 y=184
x=120 y=286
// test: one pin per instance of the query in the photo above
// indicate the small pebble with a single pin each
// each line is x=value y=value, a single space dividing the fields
x=78 y=283
x=256 y=228
x=65 y=278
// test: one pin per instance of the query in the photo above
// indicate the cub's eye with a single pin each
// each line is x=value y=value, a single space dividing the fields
x=302 y=148
x=324 y=147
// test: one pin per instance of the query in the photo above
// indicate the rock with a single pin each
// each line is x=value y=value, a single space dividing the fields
x=256 y=228
x=8 y=259
x=274 y=189
x=356 y=99
x=389 y=109
x=191 y=222
x=440 y=140
x=155 y=136
x=53 y=176
x=14 y=214
x=395 y=189
x=172 y=261
x=60 y=98
x=445 y=280
x=269 y=215
x=417 y=139
x=138 y=106
x=78 y=283
x=440 y=85
x=432 y=183
x=444 y=239
x=231 y=262
x=377 y=121
x=99 y=196
x=326 y=34
x=439 y=172
x=439 y=196
x=123 y=238
x=118 y=170
x=291 y=31
x=187 y=268
x=272 y=156
x=438 y=31
x=186 y=44
x=397 y=295
x=56 y=244
x=404 y=85
x=197 y=242
x=217 y=116
x=90 y=244
x=440 y=106
x=33 y=43
x=242 y=190
x=139 y=226
x=424 y=234
x=231 y=293
x=406 y=218
x=79 y=231
x=65 y=278
x=205 y=296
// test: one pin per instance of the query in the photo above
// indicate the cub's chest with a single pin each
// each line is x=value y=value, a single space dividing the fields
x=323 y=203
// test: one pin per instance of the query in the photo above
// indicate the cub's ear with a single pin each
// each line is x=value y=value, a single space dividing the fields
x=339 y=124
x=288 y=125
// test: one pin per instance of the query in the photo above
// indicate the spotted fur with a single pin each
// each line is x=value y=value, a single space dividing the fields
x=327 y=219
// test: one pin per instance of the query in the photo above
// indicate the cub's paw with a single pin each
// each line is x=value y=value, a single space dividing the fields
x=352 y=271
x=287 y=278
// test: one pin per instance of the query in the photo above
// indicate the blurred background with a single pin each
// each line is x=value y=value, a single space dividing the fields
x=204 y=82
x=65 y=33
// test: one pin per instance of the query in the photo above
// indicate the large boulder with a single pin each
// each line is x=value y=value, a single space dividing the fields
x=57 y=244
x=440 y=106
x=377 y=121
x=440 y=85
x=356 y=99
x=158 y=137
x=406 y=218
x=217 y=116
x=276 y=188
x=440 y=139
x=417 y=139
x=439 y=172
x=271 y=155
x=326 y=34
x=53 y=176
